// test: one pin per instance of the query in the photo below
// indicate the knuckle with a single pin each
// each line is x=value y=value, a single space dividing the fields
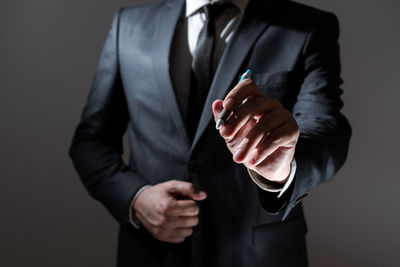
x=275 y=140
x=174 y=183
x=190 y=187
x=195 y=210
x=168 y=203
x=162 y=221
x=228 y=136
x=230 y=142
x=245 y=143
x=169 y=184
x=162 y=207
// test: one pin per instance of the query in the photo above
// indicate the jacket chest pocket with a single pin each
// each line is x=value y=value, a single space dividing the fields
x=283 y=86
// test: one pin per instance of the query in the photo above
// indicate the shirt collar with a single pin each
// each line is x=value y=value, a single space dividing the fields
x=194 y=5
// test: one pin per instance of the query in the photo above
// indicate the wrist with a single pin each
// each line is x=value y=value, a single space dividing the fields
x=133 y=218
x=271 y=186
x=279 y=178
x=280 y=181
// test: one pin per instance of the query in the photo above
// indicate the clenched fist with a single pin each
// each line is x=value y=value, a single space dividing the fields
x=260 y=133
x=165 y=214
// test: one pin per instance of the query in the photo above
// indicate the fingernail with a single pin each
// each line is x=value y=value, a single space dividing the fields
x=238 y=157
x=229 y=104
x=201 y=194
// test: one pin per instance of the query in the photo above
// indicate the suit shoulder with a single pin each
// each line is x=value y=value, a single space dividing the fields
x=147 y=9
x=305 y=17
x=308 y=13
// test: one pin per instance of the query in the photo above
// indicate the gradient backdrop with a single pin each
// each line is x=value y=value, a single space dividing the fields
x=48 y=54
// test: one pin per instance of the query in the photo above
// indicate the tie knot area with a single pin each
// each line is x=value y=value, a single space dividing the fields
x=209 y=10
x=213 y=10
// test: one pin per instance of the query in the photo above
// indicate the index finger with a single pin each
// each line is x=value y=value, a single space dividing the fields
x=242 y=91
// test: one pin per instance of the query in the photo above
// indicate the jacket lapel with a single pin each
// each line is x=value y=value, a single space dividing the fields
x=167 y=21
x=251 y=25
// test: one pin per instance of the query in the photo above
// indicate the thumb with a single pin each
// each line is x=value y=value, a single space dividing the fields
x=187 y=189
x=217 y=108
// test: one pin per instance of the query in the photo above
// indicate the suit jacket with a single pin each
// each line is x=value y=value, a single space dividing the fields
x=294 y=55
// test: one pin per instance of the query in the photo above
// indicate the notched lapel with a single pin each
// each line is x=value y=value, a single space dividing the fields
x=252 y=23
x=167 y=22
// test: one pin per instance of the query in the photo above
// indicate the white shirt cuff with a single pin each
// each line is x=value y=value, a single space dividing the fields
x=260 y=181
x=130 y=219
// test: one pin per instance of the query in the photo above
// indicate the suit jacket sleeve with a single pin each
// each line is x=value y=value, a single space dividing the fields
x=96 y=147
x=324 y=132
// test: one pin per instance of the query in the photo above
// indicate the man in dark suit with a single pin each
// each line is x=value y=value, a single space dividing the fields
x=166 y=70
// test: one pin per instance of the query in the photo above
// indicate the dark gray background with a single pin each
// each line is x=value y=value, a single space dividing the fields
x=49 y=51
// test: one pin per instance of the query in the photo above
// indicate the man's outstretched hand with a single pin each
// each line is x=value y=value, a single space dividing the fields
x=168 y=210
x=260 y=133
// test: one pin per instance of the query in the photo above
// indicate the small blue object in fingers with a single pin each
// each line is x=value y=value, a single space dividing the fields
x=224 y=115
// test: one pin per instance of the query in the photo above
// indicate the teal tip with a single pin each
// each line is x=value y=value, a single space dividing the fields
x=245 y=75
x=249 y=72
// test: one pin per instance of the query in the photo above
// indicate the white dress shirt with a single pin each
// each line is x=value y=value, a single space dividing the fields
x=183 y=47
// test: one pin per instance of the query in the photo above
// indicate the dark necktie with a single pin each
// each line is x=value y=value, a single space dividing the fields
x=201 y=70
